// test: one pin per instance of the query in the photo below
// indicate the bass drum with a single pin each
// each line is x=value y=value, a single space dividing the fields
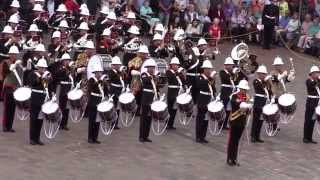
x=185 y=108
x=107 y=116
x=287 y=106
x=160 y=117
x=22 y=97
x=128 y=108
x=52 y=118
x=270 y=113
x=216 y=114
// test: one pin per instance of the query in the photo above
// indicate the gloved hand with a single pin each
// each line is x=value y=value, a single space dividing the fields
x=71 y=63
x=235 y=70
x=180 y=69
x=45 y=74
x=123 y=68
x=268 y=77
x=213 y=74
x=103 y=77
x=135 y=73
x=18 y=62
x=54 y=98
x=12 y=67
x=273 y=100
x=81 y=70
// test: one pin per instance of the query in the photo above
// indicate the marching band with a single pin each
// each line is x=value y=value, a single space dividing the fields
x=51 y=75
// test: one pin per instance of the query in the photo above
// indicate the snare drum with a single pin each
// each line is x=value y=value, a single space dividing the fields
x=22 y=96
x=216 y=111
x=127 y=102
x=75 y=98
x=51 y=111
x=184 y=102
x=159 y=111
x=106 y=110
x=271 y=113
x=287 y=103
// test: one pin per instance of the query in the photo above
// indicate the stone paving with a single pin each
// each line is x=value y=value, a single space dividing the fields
x=173 y=156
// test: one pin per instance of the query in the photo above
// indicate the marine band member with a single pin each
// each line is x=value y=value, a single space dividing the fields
x=262 y=88
x=97 y=91
x=206 y=86
x=13 y=74
x=240 y=109
x=117 y=77
x=175 y=86
x=149 y=93
x=227 y=87
x=312 y=102
x=38 y=80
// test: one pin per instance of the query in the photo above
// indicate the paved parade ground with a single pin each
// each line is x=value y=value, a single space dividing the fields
x=173 y=156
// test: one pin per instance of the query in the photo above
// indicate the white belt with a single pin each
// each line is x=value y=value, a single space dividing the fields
x=261 y=95
x=38 y=91
x=116 y=85
x=65 y=82
x=270 y=17
x=96 y=94
x=174 y=87
x=193 y=74
x=227 y=85
x=205 y=93
x=148 y=90
x=313 y=97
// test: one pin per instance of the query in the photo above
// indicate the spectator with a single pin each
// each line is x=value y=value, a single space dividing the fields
x=217 y=12
x=304 y=40
x=190 y=14
x=205 y=21
x=292 y=29
x=251 y=27
x=202 y=6
x=194 y=29
x=147 y=13
x=283 y=22
x=238 y=24
x=165 y=7
x=228 y=10
x=215 y=31
x=256 y=7
x=306 y=24
x=177 y=16
x=283 y=8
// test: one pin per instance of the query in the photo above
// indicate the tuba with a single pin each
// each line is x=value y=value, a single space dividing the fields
x=240 y=51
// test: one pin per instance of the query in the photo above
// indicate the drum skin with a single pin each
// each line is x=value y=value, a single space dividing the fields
x=287 y=104
x=127 y=102
x=271 y=113
x=22 y=97
x=184 y=103
x=106 y=111
x=159 y=111
x=51 y=111
x=75 y=98
x=216 y=111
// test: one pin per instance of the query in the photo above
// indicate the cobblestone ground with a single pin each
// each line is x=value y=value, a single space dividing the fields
x=173 y=156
